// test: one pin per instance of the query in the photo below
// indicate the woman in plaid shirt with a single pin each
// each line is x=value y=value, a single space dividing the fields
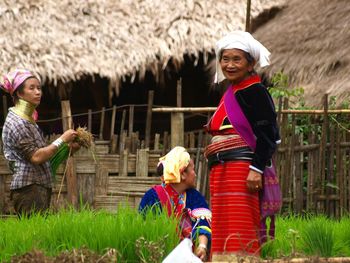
x=24 y=146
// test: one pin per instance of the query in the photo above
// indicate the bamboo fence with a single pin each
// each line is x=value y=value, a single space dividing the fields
x=313 y=160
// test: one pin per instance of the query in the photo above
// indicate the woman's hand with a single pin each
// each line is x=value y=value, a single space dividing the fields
x=201 y=252
x=254 y=181
x=69 y=135
x=74 y=147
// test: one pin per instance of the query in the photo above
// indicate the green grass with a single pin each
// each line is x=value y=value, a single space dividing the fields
x=151 y=237
x=309 y=236
x=97 y=231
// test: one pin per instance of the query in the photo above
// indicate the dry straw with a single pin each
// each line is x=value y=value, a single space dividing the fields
x=309 y=42
x=70 y=39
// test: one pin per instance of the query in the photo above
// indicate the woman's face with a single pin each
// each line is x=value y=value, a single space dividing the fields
x=31 y=91
x=190 y=175
x=235 y=66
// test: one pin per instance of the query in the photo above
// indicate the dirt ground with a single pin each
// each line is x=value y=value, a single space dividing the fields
x=75 y=256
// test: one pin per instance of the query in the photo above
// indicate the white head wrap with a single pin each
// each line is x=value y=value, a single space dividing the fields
x=243 y=41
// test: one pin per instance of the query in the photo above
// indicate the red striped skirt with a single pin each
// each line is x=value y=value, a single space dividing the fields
x=236 y=213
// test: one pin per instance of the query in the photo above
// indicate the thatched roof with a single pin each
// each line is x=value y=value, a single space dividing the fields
x=66 y=39
x=309 y=41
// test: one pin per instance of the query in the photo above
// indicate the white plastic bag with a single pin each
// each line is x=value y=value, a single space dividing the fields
x=182 y=253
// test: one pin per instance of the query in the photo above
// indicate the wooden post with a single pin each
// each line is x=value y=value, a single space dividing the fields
x=89 y=120
x=340 y=173
x=193 y=140
x=165 y=142
x=156 y=141
x=4 y=106
x=149 y=118
x=72 y=185
x=198 y=154
x=142 y=158
x=66 y=115
x=298 y=178
x=177 y=121
x=71 y=176
x=2 y=194
x=122 y=124
x=131 y=120
x=310 y=173
x=124 y=167
x=134 y=142
x=177 y=129
x=102 y=123
x=247 y=19
x=179 y=93
x=122 y=138
x=122 y=153
x=114 y=143
x=114 y=112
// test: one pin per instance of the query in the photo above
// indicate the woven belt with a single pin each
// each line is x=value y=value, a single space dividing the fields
x=243 y=153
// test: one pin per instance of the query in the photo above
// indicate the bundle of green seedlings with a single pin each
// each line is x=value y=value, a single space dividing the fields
x=84 y=139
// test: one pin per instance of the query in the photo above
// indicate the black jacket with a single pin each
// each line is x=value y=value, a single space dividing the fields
x=258 y=107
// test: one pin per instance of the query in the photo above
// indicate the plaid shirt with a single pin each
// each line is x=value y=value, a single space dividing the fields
x=21 y=139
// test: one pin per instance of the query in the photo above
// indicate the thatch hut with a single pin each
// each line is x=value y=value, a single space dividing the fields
x=309 y=42
x=92 y=52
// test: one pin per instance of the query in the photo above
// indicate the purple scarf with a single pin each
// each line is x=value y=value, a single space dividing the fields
x=270 y=196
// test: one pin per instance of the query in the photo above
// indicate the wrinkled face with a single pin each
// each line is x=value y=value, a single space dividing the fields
x=190 y=175
x=31 y=91
x=235 y=65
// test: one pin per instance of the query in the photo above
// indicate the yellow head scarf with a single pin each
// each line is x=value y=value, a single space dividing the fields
x=174 y=162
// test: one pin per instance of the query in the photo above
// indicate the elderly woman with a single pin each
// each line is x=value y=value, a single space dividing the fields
x=24 y=146
x=178 y=196
x=245 y=135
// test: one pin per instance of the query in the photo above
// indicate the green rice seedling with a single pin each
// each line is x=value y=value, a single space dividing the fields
x=60 y=156
x=98 y=231
x=318 y=237
x=286 y=238
x=342 y=234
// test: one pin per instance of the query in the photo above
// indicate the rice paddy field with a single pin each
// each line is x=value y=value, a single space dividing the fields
x=127 y=236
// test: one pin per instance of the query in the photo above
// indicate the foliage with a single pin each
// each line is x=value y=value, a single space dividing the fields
x=281 y=88
x=94 y=230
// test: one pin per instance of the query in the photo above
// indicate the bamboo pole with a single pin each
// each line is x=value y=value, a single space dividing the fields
x=114 y=112
x=122 y=124
x=322 y=152
x=177 y=121
x=177 y=129
x=102 y=123
x=66 y=115
x=179 y=93
x=184 y=109
x=89 y=120
x=339 y=174
x=212 y=109
x=247 y=19
x=149 y=118
x=131 y=119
